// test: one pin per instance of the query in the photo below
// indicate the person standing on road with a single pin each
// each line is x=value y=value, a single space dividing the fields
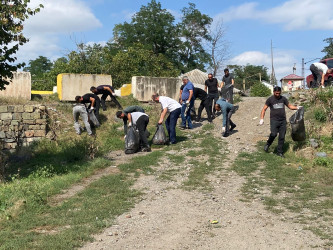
x=278 y=122
x=169 y=106
x=140 y=120
x=319 y=70
x=105 y=91
x=228 y=84
x=227 y=111
x=213 y=94
x=80 y=110
x=205 y=103
x=187 y=103
x=93 y=100
x=123 y=114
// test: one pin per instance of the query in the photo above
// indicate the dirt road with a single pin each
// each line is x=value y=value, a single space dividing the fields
x=169 y=217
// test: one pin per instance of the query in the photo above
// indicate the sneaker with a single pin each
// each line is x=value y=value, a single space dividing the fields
x=322 y=86
x=266 y=148
x=146 y=150
x=225 y=135
x=232 y=127
x=280 y=154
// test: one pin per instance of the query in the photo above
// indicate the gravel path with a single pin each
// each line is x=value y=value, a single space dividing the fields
x=168 y=217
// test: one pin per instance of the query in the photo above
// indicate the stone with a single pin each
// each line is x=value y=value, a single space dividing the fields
x=29 y=133
x=43 y=108
x=321 y=154
x=36 y=115
x=28 y=108
x=3 y=109
x=10 y=145
x=40 y=133
x=5 y=128
x=7 y=122
x=2 y=135
x=18 y=109
x=314 y=143
x=17 y=116
x=6 y=116
x=306 y=153
x=29 y=122
x=43 y=127
x=11 y=109
x=34 y=127
x=9 y=140
x=26 y=116
x=42 y=121
x=14 y=123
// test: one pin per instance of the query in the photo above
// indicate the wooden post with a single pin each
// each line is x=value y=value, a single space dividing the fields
x=244 y=85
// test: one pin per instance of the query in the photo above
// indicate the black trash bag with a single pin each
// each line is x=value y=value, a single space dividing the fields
x=227 y=93
x=160 y=137
x=132 y=141
x=297 y=125
x=93 y=119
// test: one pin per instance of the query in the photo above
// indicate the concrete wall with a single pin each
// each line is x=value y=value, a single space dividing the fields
x=21 y=125
x=20 y=86
x=71 y=85
x=143 y=87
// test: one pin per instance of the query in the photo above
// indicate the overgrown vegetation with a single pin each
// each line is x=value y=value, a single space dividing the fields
x=259 y=89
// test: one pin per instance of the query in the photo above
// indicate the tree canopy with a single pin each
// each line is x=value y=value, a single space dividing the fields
x=329 y=48
x=12 y=16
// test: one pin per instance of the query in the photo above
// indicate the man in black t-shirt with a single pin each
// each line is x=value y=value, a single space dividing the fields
x=227 y=86
x=205 y=103
x=213 y=93
x=105 y=91
x=278 y=121
x=93 y=100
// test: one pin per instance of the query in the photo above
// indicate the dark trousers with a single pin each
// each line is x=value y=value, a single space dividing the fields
x=278 y=127
x=229 y=122
x=141 y=125
x=207 y=105
x=113 y=98
x=170 y=124
x=213 y=97
x=316 y=76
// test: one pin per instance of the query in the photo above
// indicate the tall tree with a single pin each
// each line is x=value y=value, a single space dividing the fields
x=329 y=48
x=249 y=73
x=194 y=31
x=13 y=13
x=38 y=67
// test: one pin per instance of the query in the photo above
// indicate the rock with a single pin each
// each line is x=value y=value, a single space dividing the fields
x=314 y=143
x=306 y=153
x=321 y=154
x=295 y=95
x=208 y=163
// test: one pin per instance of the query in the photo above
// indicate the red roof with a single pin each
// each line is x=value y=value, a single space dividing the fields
x=292 y=77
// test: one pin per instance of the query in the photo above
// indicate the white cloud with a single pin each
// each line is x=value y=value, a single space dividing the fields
x=293 y=14
x=55 y=19
x=283 y=61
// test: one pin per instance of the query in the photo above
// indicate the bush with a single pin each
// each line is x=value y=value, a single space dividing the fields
x=320 y=115
x=259 y=89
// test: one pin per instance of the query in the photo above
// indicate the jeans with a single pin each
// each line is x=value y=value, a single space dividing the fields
x=187 y=117
x=170 y=124
x=213 y=97
x=80 y=110
x=229 y=122
x=207 y=105
x=278 y=127
x=113 y=98
x=141 y=125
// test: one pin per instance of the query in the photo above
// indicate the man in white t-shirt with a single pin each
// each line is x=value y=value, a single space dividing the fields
x=140 y=120
x=319 y=70
x=174 y=108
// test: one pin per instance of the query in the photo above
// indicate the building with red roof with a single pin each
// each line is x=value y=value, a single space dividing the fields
x=296 y=81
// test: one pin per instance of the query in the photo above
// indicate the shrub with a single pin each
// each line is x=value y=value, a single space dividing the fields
x=259 y=89
x=320 y=115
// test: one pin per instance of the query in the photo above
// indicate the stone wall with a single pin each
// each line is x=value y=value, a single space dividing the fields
x=71 y=85
x=19 y=87
x=20 y=125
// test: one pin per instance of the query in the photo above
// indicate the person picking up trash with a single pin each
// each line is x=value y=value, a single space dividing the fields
x=93 y=100
x=174 y=109
x=227 y=111
x=124 y=113
x=80 y=110
x=105 y=91
x=278 y=122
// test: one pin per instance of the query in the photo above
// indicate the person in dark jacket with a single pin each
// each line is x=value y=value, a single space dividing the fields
x=213 y=92
x=205 y=103
x=227 y=111
x=93 y=100
x=105 y=91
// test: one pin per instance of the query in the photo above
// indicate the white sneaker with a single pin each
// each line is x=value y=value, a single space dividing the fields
x=323 y=86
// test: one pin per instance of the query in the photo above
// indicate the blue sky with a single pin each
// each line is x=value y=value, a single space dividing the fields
x=296 y=27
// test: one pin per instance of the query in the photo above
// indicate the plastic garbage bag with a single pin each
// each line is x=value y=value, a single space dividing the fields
x=93 y=118
x=132 y=141
x=297 y=125
x=227 y=93
x=159 y=137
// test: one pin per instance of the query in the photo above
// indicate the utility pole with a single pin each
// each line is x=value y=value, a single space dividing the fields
x=303 y=73
x=273 y=79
